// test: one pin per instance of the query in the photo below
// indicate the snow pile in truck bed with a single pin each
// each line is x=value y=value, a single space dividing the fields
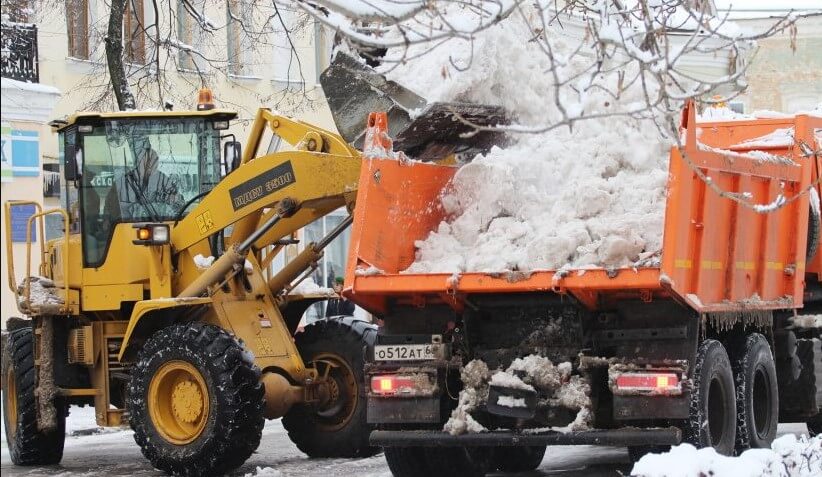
x=788 y=456
x=591 y=196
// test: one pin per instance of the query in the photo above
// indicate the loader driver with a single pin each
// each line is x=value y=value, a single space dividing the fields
x=339 y=306
x=144 y=192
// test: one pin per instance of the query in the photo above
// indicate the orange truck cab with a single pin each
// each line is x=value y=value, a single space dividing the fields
x=713 y=345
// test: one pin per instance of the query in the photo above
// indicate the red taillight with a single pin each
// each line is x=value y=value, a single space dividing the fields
x=665 y=383
x=391 y=384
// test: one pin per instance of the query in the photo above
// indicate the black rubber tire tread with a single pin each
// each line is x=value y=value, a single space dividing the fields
x=236 y=420
x=815 y=426
x=814 y=230
x=518 y=459
x=754 y=355
x=636 y=452
x=452 y=461
x=802 y=393
x=29 y=446
x=351 y=339
x=711 y=361
x=407 y=462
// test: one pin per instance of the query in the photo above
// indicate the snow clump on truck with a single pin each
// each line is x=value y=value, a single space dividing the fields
x=592 y=195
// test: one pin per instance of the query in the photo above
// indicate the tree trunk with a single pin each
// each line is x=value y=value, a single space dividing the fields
x=114 y=56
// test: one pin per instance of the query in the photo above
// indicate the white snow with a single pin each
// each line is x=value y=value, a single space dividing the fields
x=511 y=401
x=782 y=137
x=202 y=262
x=8 y=83
x=374 y=10
x=508 y=380
x=593 y=195
x=310 y=287
x=264 y=472
x=788 y=456
x=807 y=321
x=372 y=270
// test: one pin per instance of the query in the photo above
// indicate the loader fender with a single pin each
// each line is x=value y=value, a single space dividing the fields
x=141 y=323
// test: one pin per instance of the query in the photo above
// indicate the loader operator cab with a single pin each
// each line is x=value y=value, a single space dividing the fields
x=129 y=167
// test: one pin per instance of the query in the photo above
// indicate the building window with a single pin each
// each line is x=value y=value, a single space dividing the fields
x=77 y=28
x=51 y=180
x=134 y=33
x=240 y=49
x=286 y=68
x=189 y=36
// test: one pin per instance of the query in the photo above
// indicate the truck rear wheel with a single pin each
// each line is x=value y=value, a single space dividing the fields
x=27 y=445
x=757 y=397
x=518 y=459
x=712 y=421
x=815 y=426
x=437 y=461
x=336 y=347
x=195 y=401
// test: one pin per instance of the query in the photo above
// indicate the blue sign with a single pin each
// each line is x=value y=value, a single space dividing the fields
x=19 y=217
x=25 y=153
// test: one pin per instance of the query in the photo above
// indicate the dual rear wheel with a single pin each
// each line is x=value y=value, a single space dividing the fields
x=734 y=400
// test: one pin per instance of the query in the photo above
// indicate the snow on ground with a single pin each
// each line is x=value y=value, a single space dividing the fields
x=789 y=456
x=593 y=195
x=116 y=454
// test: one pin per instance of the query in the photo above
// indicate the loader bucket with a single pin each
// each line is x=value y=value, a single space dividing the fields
x=424 y=131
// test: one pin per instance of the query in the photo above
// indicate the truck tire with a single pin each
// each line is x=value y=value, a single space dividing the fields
x=407 y=461
x=27 y=445
x=195 y=401
x=437 y=461
x=712 y=421
x=637 y=452
x=815 y=426
x=757 y=394
x=339 y=428
x=518 y=459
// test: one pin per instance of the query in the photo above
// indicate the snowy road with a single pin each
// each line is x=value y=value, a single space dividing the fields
x=114 y=453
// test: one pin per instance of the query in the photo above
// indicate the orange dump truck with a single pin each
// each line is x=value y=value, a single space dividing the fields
x=713 y=346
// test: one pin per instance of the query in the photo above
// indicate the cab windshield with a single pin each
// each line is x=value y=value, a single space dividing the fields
x=141 y=170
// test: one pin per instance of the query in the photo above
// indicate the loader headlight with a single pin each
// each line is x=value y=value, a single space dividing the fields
x=152 y=234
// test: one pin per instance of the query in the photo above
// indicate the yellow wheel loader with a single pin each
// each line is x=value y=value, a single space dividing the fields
x=130 y=311
x=158 y=305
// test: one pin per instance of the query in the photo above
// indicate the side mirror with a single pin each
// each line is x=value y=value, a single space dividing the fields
x=232 y=155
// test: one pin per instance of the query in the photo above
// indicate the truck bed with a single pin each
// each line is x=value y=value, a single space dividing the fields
x=717 y=255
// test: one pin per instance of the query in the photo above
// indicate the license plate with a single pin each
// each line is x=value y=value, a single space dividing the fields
x=411 y=352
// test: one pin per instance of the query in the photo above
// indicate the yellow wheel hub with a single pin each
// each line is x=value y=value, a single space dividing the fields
x=187 y=401
x=178 y=402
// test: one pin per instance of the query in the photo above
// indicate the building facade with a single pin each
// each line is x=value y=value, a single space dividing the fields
x=251 y=54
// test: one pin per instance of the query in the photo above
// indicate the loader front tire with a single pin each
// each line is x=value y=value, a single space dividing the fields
x=195 y=401
x=337 y=348
x=27 y=445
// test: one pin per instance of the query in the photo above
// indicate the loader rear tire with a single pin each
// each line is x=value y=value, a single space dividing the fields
x=339 y=427
x=27 y=445
x=518 y=459
x=195 y=401
x=712 y=421
x=757 y=396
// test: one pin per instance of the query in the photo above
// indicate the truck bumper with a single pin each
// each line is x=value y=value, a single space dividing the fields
x=610 y=437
